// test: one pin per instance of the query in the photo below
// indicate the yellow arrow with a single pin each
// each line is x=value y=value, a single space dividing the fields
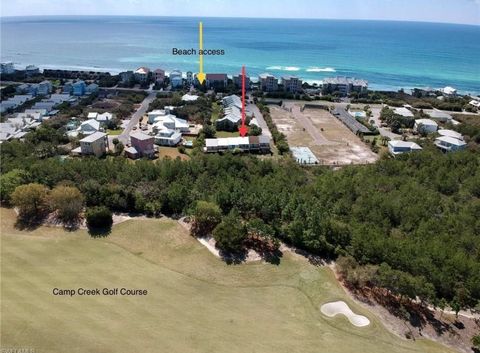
x=201 y=75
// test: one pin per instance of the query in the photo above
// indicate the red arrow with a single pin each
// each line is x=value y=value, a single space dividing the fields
x=243 y=129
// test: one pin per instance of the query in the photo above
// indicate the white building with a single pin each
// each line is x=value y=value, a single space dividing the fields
x=167 y=137
x=89 y=127
x=155 y=114
x=450 y=133
x=403 y=112
x=426 y=126
x=7 y=68
x=344 y=85
x=449 y=91
x=189 y=97
x=397 y=147
x=259 y=144
x=101 y=118
x=449 y=144
x=176 y=79
x=171 y=122
x=438 y=115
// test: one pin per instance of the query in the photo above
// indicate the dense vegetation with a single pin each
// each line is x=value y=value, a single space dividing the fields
x=414 y=217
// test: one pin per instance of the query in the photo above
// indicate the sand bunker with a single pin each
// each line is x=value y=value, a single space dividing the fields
x=340 y=307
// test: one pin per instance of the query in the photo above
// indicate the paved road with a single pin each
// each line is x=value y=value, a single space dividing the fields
x=382 y=130
x=125 y=135
x=253 y=109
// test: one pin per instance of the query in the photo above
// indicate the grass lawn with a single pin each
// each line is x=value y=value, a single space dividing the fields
x=216 y=111
x=114 y=132
x=171 y=152
x=195 y=302
x=227 y=134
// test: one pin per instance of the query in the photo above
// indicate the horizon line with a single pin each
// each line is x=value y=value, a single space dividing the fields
x=246 y=17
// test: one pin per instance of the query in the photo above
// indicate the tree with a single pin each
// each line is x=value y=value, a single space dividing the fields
x=230 y=234
x=9 y=181
x=254 y=130
x=476 y=341
x=206 y=216
x=119 y=147
x=99 y=217
x=209 y=131
x=31 y=200
x=68 y=201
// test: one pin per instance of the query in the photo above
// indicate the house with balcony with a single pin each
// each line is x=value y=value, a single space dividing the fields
x=291 y=84
x=268 y=83
x=167 y=137
x=142 y=144
x=94 y=144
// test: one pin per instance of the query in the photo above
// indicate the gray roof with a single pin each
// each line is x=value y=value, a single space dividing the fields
x=94 y=137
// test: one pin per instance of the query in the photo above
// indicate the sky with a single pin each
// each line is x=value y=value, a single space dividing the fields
x=451 y=11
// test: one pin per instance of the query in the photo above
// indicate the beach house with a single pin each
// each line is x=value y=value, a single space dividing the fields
x=449 y=144
x=79 y=88
x=343 y=85
x=405 y=112
x=91 y=88
x=176 y=79
x=143 y=145
x=167 y=137
x=89 y=127
x=142 y=74
x=396 y=147
x=425 y=126
x=31 y=70
x=438 y=115
x=291 y=83
x=267 y=82
x=170 y=122
x=94 y=144
x=44 y=88
x=159 y=76
x=217 y=81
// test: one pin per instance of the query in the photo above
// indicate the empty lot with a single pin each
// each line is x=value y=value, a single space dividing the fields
x=330 y=140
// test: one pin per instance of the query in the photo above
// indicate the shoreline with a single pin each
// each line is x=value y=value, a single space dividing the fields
x=372 y=86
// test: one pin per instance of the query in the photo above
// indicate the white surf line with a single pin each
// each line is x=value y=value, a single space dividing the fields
x=340 y=307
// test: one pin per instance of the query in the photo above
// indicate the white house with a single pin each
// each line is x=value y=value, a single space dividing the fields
x=189 y=97
x=171 y=122
x=426 y=126
x=438 y=115
x=448 y=144
x=89 y=127
x=101 y=118
x=397 y=147
x=403 y=112
x=449 y=91
x=450 y=133
x=155 y=114
x=167 y=137
x=176 y=79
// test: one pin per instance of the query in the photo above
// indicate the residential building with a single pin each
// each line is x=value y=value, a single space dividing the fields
x=79 y=88
x=232 y=101
x=7 y=68
x=450 y=133
x=91 y=88
x=31 y=70
x=189 y=97
x=67 y=88
x=155 y=114
x=256 y=144
x=237 y=81
x=343 y=85
x=22 y=89
x=291 y=84
x=438 y=115
x=190 y=79
x=142 y=74
x=268 y=83
x=425 y=126
x=103 y=118
x=217 y=81
x=159 y=75
x=167 y=137
x=449 y=91
x=143 y=144
x=89 y=127
x=449 y=144
x=403 y=112
x=397 y=147
x=44 y=88
x=170 y=122
x=176 y=79
x=475 y=103
x=96 y=144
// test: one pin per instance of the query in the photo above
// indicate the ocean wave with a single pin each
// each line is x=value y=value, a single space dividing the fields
x=321 y=69
x=283 y=68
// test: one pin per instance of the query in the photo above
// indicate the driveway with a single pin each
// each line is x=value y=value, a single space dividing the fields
x=253 y=109
x=134 y=120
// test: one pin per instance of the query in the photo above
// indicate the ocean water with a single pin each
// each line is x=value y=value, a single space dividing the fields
x=390 y=55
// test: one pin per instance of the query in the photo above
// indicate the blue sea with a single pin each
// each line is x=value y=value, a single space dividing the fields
x=390 y=55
